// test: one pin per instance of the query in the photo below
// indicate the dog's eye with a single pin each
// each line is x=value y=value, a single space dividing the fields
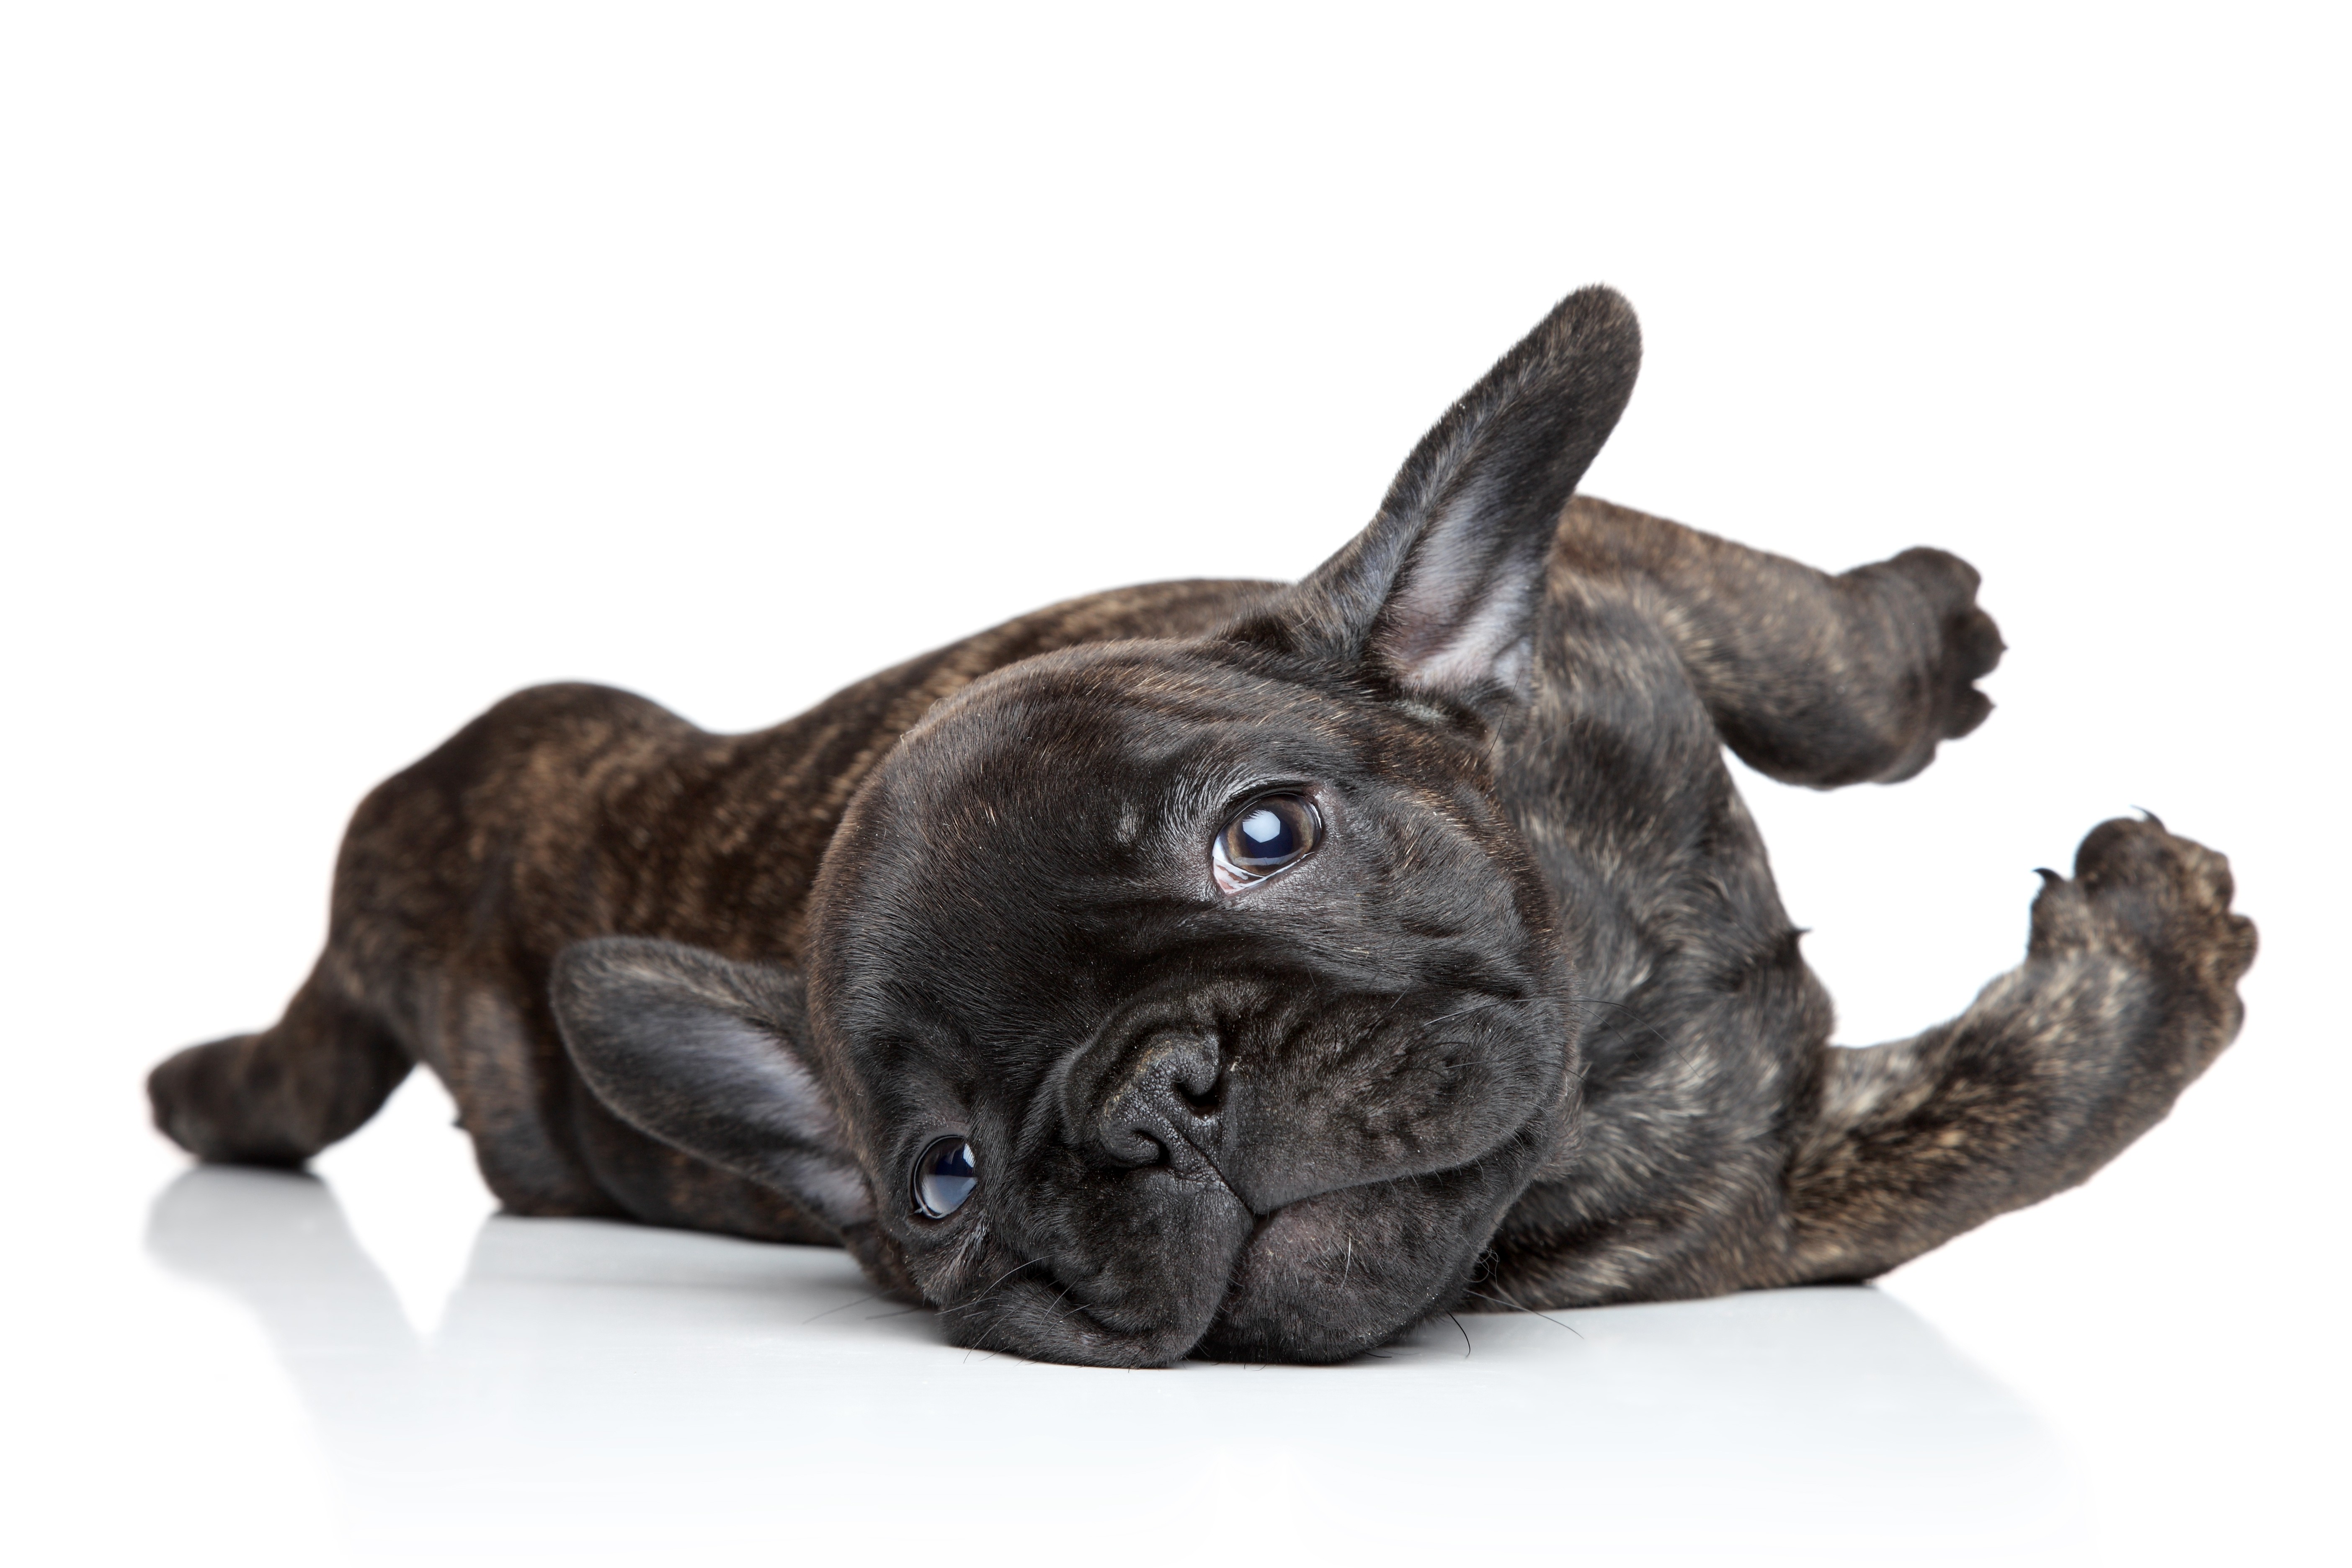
x=944 y=1177
x=1268 y=834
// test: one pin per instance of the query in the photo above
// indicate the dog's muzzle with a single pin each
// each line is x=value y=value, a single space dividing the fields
x=1302 y=1191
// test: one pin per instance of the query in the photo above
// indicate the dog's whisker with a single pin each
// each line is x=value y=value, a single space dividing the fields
x=1076 y=1306
x=991 y=1288
x=1530 y=1311
x=853 y=1301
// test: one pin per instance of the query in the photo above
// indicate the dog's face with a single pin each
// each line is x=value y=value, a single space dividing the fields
x=1237 y=997
x=1180 y=998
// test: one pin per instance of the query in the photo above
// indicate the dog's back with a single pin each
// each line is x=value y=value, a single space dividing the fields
x=573 y=811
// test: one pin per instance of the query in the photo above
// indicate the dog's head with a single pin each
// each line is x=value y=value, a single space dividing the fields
x=1187 y=996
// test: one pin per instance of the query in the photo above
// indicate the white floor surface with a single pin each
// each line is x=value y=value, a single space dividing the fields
x=369 y=1365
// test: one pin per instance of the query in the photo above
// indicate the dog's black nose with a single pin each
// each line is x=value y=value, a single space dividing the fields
x=1162 y=1106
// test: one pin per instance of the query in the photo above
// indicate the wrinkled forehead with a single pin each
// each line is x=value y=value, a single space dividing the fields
x=1049 y=818
x=1105 y=730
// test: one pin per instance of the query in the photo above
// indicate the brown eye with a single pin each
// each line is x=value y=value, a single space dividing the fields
x=1268 y=834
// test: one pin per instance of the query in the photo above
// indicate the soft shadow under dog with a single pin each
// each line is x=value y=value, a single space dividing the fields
x=601 y=1383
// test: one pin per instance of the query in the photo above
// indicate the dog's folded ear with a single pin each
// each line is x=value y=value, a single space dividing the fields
x=1437 y=597
x=710 y=1057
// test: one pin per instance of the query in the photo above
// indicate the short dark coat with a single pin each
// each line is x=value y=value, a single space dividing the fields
x=1649 y=1107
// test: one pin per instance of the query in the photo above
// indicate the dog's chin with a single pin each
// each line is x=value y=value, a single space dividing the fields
x=1334 y=1276
x=1321 y=1280
x=1038 y=1320
x=1317 y=1281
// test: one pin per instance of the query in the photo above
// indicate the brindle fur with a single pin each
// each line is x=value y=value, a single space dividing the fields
x=1648 y=1106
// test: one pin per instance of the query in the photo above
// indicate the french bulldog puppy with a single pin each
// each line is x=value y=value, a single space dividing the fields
x=1249 y=970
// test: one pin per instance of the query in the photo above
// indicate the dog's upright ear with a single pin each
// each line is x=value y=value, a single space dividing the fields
x=710 y=1057
x=1437 y=597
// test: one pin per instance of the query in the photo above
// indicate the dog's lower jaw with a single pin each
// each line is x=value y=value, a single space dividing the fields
x=1327 y=1279
x=1317 y=1282
x=1042 y=1321
x=1035 y=1319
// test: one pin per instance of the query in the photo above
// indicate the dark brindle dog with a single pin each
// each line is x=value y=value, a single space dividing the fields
x=1198 y=968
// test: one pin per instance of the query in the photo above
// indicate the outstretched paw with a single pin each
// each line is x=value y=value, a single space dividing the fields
x=1971 y=643
x=2157 y=899
x=1927 y=598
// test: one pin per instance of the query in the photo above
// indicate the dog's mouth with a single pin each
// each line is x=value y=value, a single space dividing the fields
x=1234 y=1174
x=1319 y=1280
x=1333 y=1275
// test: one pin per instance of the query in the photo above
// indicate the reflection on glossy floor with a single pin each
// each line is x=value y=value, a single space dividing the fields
x=600 y=1391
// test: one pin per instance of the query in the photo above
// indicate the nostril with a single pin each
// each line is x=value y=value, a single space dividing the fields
x=1194 y=1069
x=1165 y=1102
x=1201 y=1101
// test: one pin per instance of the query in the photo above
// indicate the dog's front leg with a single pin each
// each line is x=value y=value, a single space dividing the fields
x=1813 y=678
x=2126 y=993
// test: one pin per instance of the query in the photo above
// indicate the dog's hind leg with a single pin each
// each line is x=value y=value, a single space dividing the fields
x=1813 y=678
x=2128 y=990
x=278 y=1097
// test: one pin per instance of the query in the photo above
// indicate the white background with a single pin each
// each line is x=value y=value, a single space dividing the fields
x=359 y=366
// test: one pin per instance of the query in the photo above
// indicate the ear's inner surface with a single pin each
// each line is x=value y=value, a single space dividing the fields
x=1438 y=596
x=710 y=1056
